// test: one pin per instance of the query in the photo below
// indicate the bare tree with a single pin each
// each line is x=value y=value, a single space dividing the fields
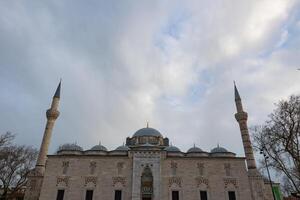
x=15 y=163
x=280 y=139
x=5 y=139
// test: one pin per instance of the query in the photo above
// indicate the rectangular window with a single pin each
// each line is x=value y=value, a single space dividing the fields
x=60 y=194
x=231 y=195
x=203 y=195
x=89 y=195
x=175 y=195
x=118 y=194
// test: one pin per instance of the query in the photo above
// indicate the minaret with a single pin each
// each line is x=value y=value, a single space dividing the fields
x=241 y=116
x=36 y=176
x=52 y=114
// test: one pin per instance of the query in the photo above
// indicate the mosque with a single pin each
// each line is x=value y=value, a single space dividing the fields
x=146 y=167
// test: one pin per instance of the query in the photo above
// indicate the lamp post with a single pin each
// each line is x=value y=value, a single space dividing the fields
x=266 y=157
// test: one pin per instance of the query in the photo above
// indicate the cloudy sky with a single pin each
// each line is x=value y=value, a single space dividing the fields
x=124 y=63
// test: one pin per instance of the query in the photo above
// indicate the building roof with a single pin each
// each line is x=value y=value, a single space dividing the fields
x=122 y=148
x=147 y=132
x=98 y=147
x=172 y=149
x=70 y=147
x=195 y=149
x=219 y=149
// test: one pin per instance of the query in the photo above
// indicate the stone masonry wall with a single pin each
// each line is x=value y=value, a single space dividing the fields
x=217 y=176
x=76 y=174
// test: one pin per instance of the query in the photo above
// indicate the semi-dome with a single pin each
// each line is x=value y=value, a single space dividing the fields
x=195 y=149
x=98 y=147
x=172 y=149
x=70 y=147
x=122 y=148
x=219 y=149
x=147 y=132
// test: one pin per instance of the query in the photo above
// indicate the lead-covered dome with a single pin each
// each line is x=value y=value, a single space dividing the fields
x=69 y=147
x=147 y=132
x=195 y=149
x=172 y=149
x=219 y=149
x=122 y=148
x=98 y=147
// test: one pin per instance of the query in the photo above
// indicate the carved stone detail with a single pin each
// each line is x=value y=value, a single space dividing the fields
x=201 y=180
x=200 y=167
x=119 y=179
x=65 y=166
x=227 y=168
x=120 y=166
x=93 y=166
x=175 y=180
x=62 y=180
x=232 y=181
x=90 y=179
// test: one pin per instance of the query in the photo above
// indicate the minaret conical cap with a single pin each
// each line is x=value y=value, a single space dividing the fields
x=236 y=93
x=57 y=92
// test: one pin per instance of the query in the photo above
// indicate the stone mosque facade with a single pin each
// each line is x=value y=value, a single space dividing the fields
x=147 y=167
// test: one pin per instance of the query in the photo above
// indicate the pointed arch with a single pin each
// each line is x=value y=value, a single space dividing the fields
x=147 y=184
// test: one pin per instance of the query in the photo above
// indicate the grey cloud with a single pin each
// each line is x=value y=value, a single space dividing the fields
x=120 y=68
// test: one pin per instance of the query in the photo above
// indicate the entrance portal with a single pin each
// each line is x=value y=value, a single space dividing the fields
x=147 y=184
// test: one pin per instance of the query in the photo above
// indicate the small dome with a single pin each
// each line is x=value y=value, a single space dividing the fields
x=147 y=132
x=70 y=147
x=195 y=149
x=172 y=149
x=219 y=149
x=98 y=147
x=122 y=148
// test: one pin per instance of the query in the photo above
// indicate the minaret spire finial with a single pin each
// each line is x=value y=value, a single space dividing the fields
x=236 y=92
x=57 y=92
x=237 y=98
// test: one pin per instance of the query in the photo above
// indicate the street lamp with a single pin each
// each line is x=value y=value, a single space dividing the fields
x=266 y=157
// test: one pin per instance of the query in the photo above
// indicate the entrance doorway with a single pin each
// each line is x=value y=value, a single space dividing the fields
x=147 y=184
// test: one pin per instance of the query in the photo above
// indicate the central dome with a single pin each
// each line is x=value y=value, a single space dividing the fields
x=147 y=132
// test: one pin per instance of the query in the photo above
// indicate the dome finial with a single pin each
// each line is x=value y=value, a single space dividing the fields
x=147 y=124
